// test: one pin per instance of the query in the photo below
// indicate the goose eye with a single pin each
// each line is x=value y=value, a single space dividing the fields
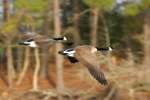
x=30 y=40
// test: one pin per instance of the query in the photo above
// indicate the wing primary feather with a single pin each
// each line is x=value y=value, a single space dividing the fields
x=98 y=75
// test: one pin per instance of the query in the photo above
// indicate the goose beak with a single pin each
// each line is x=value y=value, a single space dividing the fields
x=22 y=43
x=61 y=52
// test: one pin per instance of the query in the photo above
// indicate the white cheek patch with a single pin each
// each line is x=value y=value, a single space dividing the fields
x=70 y=53
x=25 y=42
x=33 y=44
x=65 y=39
x=110 y=49
x=93 y=50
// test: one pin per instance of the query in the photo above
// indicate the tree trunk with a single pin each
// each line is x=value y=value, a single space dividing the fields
x=44 y=58
x=19 y=59
x=10 y=67
x=5 y=10
x=25 y=66
x=146 y=29
x=147 y=39
x=107 y=36
x=46 y=22
x=44 y=62
x=77 y=22
x=94 y=25
x=59 y=58
x=37 y=69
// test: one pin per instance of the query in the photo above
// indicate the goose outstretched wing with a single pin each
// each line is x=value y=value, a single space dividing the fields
x=91 y=61
x=97 y=74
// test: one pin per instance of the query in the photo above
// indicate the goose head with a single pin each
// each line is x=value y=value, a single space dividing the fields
x=68 y=52
x=30 y=43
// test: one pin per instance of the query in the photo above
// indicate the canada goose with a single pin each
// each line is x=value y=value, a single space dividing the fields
x=86 y=55
x=36 y=40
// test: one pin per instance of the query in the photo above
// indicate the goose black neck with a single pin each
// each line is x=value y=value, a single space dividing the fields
x=61 y=52
x=59 y=38
x=103 y=49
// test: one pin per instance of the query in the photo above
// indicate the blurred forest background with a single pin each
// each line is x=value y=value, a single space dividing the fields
x=42 y=74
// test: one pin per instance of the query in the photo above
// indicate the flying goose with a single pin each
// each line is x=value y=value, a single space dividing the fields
x=37 y=40
x=86 y=55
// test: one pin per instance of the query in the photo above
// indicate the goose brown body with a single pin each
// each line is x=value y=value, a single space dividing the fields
x=37 y=40
x=88 y=57
x=42 y=39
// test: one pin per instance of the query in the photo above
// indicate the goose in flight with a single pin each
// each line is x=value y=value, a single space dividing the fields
x=37 y=40
x=87 y=55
